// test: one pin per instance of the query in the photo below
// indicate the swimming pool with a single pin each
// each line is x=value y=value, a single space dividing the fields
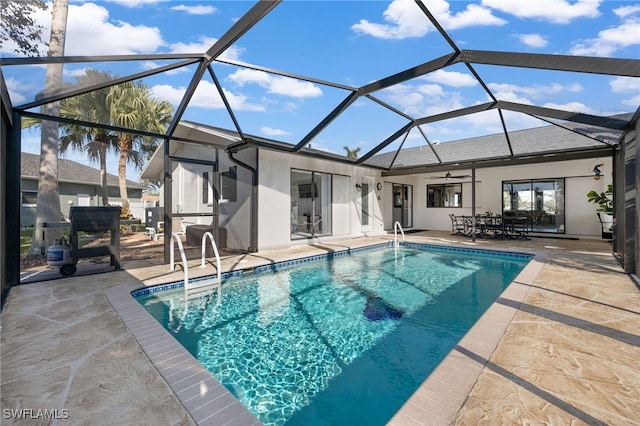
x=341 y=341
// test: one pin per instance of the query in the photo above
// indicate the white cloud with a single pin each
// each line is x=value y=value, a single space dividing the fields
x=269 y=131
x=625 y=85
x=206 y=96
x=625 y=11
x=404 y=20
x=430 y=90
x=536 y=90
x=78 y=72
x=196 y=9
x=135 y=3
x=473 y=16
x=511 y=96
x=574 y=107
x=610 y=40
x=451 y=78
x=91 y=32
x=629 y=86
x=633 y=101
x=532 y=40
x=15 y=87
x=150 y=65
x=205 y=43
x=422 y=100
x=279 y=85
x=556 y=11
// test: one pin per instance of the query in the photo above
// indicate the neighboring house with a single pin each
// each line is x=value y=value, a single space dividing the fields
x=302 y=199
x=79 y=185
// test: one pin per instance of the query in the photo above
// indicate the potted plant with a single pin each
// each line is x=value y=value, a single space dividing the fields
x=604 y=201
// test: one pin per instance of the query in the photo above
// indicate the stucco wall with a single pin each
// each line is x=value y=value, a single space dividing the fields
x=581 y=220
x=274 y=229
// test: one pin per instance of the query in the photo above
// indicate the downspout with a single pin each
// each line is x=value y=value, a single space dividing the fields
x=253 y=230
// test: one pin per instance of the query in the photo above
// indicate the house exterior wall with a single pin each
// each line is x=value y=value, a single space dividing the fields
x=580 y=219
x=233 y=216
x=274 y=199
x=69 y=192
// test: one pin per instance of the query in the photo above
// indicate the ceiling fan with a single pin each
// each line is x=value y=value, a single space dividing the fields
x=449 y=176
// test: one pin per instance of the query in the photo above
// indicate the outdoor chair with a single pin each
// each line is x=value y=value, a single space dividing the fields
x=458 y=226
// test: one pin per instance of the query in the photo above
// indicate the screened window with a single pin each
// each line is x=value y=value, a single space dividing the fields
x=444 y=195
x=229 y=184
x=205 y=187
x=29 y=198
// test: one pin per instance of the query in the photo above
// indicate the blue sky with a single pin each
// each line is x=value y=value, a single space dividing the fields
x=352 y=44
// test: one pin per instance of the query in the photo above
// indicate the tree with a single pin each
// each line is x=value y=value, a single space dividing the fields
x=18 y=25
x=351 y=153
x=91 y=107
x=48 y=201
x=132 y=106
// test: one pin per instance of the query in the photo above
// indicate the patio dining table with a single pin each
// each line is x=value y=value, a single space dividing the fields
x=496 y=226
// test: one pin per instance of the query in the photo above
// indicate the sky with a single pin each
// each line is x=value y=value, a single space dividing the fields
x=351 y=44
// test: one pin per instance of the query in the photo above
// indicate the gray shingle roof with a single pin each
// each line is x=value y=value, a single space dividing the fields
x=69 y=171
x=537 y=140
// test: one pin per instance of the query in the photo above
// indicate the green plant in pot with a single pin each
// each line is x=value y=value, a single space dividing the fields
x=604 y=201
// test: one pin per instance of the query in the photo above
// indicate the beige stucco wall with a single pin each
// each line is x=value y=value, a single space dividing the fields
x=274 y=229
x=581 y=220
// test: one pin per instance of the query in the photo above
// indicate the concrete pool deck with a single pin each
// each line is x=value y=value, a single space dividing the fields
x=560 y=346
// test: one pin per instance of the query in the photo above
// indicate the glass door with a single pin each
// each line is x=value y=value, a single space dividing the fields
x=540 y=201
x=310 y=204
x=194 y=198
x=402 y=205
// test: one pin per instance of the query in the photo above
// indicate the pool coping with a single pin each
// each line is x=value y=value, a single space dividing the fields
x=438 y=399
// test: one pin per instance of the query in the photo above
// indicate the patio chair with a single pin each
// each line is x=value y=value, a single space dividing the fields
x=458 y=226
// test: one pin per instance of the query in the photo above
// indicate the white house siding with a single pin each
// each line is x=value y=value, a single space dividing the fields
x=580 y=219
x=274 y=229
x=233 y=217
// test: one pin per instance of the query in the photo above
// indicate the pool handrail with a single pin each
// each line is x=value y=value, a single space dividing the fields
x=172 y=266
x=215 y=252
x=397 y=226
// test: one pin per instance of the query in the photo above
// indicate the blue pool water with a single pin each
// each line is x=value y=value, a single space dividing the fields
x=340 y=341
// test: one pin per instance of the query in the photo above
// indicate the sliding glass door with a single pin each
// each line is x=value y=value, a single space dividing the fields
x=541 y=201
x=310 y=204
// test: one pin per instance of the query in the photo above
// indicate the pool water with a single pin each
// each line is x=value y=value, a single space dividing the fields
x=341 y=341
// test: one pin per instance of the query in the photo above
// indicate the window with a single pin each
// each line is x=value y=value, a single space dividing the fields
x=29 y=198
x=444 y=195
x=229 y=184
x=205 y=187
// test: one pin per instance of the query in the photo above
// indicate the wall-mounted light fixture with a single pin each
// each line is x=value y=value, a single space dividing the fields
x=358 y=186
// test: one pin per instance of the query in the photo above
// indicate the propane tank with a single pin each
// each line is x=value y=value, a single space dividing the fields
x=59 y=254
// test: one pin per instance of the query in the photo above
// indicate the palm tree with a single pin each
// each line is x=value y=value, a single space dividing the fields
x=132 y=107
x=352 y=153
x=48 y=201
x=92 y=107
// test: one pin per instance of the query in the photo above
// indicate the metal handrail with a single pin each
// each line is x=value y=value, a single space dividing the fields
x=397 y=226
x=200 y=288
x=215 y=252
x=185 y=267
